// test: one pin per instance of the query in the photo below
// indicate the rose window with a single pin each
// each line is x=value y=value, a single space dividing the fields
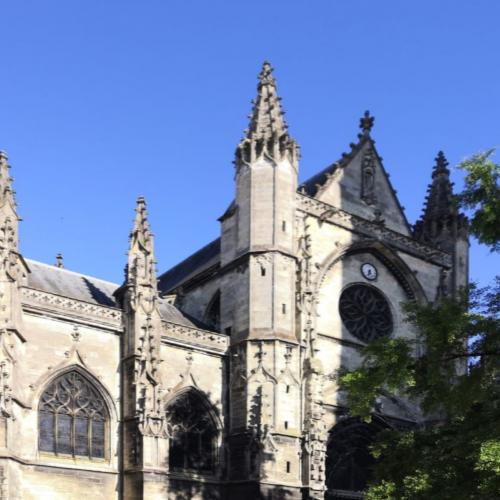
x=365 y=312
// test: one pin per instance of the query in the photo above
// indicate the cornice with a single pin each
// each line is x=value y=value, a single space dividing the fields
x=53 y=304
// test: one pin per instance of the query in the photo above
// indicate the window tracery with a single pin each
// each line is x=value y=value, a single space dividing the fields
x=72 y=418
x=365 y=312
x=193 y=435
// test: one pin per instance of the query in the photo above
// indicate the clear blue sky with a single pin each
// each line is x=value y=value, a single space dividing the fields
x=102 y=101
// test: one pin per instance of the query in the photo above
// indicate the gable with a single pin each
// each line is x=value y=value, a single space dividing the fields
x=359 y=185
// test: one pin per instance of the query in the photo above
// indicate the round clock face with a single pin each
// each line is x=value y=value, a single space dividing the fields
x=369 y=271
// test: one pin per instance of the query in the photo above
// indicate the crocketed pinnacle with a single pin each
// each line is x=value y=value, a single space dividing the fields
x=141 y=269
x=439 y=202
x=440 y=212
x=6 y=191
x=267 y=133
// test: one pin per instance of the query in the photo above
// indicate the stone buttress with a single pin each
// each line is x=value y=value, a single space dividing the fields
x=145 y=444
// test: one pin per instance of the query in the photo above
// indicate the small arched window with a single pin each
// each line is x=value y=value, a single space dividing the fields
x=193 y=435
x=72 y=418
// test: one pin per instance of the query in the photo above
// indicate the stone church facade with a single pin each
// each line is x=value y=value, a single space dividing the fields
x=218 y=380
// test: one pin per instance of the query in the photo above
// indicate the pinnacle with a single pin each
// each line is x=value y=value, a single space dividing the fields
x=6 y=191
x=267 y=116
x=141 y=220
x=141 y=246
x=439 y=206
x=267 y=132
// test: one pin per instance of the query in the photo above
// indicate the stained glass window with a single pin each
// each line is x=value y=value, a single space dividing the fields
x=365 y=312
x=349 y=463
x=192 y=434
x=72 y=418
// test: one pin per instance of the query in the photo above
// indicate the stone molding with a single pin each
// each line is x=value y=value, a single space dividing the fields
x=374 y=230
x=195 y=337
x=31 y=296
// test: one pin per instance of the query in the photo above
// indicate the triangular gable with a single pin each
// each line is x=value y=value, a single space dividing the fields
x=359 y=184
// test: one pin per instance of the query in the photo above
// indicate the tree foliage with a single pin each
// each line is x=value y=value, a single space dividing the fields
x=451 y=371
x=482 y=194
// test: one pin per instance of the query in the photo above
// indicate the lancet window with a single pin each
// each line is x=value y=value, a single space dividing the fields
x=73 y=418
x=193 y=435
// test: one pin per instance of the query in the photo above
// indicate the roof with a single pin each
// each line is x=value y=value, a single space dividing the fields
x=200 y=261
x=67 y=283
x=311 y=185
x=171 y=314
x=78 y=286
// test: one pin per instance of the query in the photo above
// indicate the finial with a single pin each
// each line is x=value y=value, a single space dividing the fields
x=441 y=165
x=59 y=261
x=366 y=123
x=266 y=75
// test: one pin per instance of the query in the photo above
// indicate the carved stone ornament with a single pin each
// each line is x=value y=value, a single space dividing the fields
x=368 y=177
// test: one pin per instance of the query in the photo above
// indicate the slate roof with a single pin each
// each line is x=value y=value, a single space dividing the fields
x=78 y=286
x=67 y=283
x=198 y=262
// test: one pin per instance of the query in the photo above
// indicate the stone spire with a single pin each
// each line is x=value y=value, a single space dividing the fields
x=440 y=219
x=267 y=134
x=141 y=268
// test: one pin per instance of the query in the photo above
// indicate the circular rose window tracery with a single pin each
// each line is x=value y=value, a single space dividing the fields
x=365 y=312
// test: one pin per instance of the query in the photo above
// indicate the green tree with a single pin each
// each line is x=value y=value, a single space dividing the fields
x=455 y=454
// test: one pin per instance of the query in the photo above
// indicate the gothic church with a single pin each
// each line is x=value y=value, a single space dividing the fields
x=217 y=379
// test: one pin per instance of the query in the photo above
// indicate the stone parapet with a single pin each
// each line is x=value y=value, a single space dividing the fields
x=195 y=337
x=56 y=303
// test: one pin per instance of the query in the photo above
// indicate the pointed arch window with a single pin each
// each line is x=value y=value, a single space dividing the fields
x=349 y=462
x=73 y=418
x=193 y=435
